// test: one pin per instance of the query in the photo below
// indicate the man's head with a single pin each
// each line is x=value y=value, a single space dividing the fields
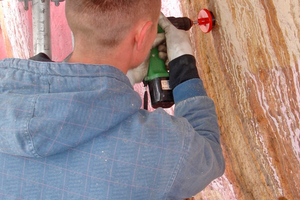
x=106 y=23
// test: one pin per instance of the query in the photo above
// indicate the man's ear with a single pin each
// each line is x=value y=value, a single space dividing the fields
x=142 y=36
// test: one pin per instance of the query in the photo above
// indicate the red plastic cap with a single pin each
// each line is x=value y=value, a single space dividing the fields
x=205 y=20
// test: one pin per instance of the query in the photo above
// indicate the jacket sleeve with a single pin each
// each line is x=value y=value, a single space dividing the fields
x=203 y=161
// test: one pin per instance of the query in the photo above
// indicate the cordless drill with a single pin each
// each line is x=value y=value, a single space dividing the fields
x=158 y=76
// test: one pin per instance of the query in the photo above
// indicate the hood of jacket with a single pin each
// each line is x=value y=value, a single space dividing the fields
x=47 y=108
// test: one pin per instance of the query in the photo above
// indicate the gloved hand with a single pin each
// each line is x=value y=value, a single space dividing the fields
x=137 y=75
x=162 y=49
x=178 y=41
x=182 y=63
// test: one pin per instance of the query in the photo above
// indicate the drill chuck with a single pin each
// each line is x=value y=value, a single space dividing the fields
x=182 y=23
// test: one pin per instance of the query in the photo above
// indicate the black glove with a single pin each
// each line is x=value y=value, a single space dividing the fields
x=182 y=69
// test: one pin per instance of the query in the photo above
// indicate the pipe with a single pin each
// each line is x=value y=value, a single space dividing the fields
x=41 y=27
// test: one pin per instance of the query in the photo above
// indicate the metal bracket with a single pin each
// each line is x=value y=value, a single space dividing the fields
x=25 y=3
x=57 y=2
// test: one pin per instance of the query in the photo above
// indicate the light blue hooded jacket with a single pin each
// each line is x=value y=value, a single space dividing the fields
x=75 y=131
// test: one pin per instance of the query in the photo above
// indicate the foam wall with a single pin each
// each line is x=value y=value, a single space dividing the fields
x=16 y=31
x=250 y=66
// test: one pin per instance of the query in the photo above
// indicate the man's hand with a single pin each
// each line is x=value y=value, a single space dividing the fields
x=178 y=41
x=181 y=62
x=136 y=75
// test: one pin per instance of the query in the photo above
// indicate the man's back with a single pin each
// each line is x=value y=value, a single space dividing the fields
x=74 y=131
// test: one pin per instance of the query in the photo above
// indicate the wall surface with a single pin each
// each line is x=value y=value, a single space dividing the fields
x=2 y=45
x=16 y=29
x=250 y=66
x=2 y=41
x=16 y=26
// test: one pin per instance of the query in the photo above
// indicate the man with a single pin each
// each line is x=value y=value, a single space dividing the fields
x=76 y=131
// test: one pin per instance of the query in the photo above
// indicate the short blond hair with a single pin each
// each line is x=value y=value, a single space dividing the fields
x=106 y=22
